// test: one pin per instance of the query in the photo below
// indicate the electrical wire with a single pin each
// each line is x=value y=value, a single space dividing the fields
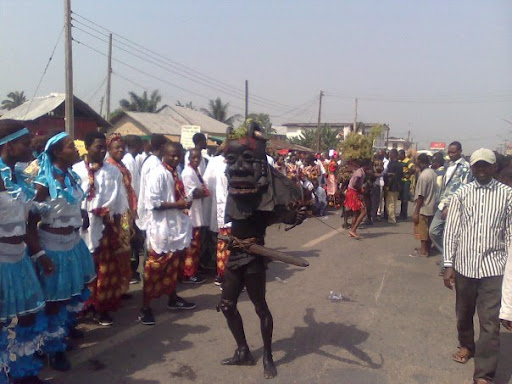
x=44 y=72
x=170 y=70
x=174 y=64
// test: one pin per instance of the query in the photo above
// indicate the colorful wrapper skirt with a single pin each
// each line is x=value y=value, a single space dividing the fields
x=191 y=263
x=124 y=251
x=222 y=251
x=161 y=273
x=106 y=289
x=20 y=291
x=74 y=266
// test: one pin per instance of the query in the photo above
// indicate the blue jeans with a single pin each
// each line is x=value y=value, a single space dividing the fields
x=436 y=231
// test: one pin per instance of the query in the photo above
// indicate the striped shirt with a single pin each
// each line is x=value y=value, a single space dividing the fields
x=479 y=229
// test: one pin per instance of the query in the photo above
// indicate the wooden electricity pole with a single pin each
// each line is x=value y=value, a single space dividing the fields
x=246 y=99
x=355 y=117
x=109 y=78
x=69 y=107
x=318 y=124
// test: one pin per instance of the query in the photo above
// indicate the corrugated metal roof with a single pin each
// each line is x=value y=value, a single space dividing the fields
x=192 y=117
x=40 y=106
x=158 y=123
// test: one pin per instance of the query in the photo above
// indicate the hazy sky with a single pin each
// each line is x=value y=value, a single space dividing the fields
x=441 y=69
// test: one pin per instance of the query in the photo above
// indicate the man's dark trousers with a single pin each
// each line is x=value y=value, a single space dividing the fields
x=484 y=295
x=404 y=197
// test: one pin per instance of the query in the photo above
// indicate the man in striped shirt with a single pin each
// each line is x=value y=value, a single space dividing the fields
x=476 y=241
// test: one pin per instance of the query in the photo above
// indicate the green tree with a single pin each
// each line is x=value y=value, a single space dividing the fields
x=14 y=99
x=141 y=103
x=356 y=147
x=219 y=111
x=329 y=138
x=263 y=120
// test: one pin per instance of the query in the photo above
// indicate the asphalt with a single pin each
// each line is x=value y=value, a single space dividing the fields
x=395 y=322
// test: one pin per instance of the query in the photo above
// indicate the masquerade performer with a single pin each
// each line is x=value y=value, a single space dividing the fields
x=105 y=202
x=21 y=297
x=169 y=232
x=258 y=197
x=60 y=197
x=115 y=147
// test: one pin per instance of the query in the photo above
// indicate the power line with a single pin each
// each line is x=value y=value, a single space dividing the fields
x=175 y=64
x=430 y=100
x=44 y=72
x=262 y=104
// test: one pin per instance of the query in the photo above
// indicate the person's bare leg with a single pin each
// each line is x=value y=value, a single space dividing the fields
x=357 y=222
x=255 y=284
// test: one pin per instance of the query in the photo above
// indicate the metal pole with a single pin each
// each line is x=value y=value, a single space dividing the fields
x=318 y=124
x=109 y=78
x=246 y=99
x=69 y=108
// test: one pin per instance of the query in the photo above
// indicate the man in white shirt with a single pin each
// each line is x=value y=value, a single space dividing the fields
x=133 y=149
x=200 y=143
x=169 y=232
x=217 y=183
x=152 y=161
x=476 y=239
x=105 y=202
x=196 y=190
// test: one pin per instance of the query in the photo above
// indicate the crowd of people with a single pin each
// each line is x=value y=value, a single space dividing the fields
x=73 y=231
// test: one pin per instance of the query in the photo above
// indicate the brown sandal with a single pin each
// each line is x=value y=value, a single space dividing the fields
x=462 y=355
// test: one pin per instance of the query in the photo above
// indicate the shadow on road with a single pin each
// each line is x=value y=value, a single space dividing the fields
x=311 y=338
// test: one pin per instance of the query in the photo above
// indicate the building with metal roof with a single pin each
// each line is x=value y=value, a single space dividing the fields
x=168 y=121
x=46 y=114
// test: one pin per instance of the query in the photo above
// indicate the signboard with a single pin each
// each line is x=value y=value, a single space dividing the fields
x=437 y=146
x=80 y=146
x=187 y=132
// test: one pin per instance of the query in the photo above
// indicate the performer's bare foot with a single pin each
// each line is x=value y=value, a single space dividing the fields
x=353 y=235
x=241 y=357
x=269 y=368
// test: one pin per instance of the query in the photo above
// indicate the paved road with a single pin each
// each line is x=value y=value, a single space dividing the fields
x=395 y=325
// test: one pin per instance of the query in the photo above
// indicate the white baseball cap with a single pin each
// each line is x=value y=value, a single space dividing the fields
x=483 y=154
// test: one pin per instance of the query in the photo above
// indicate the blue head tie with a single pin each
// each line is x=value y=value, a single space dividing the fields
x=47 y=170
x=14 y=136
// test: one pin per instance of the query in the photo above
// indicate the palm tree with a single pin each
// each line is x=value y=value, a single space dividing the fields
x=141 y=103
x=13 y=100
x=328 y=138
x=219 y=111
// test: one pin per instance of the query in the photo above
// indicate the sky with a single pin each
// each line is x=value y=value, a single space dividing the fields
x=440 y=69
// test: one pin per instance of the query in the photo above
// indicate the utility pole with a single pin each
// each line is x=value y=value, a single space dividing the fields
x=318 y=124
x=109 y=78
x=69 y=107
x=355 y=117
x=387 y=138
x=246 y=99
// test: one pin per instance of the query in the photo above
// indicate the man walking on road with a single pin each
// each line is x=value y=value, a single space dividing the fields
x=392 y=185
x=408 y=171
x=477 y=237
x=424 y=198
x=457 y=174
